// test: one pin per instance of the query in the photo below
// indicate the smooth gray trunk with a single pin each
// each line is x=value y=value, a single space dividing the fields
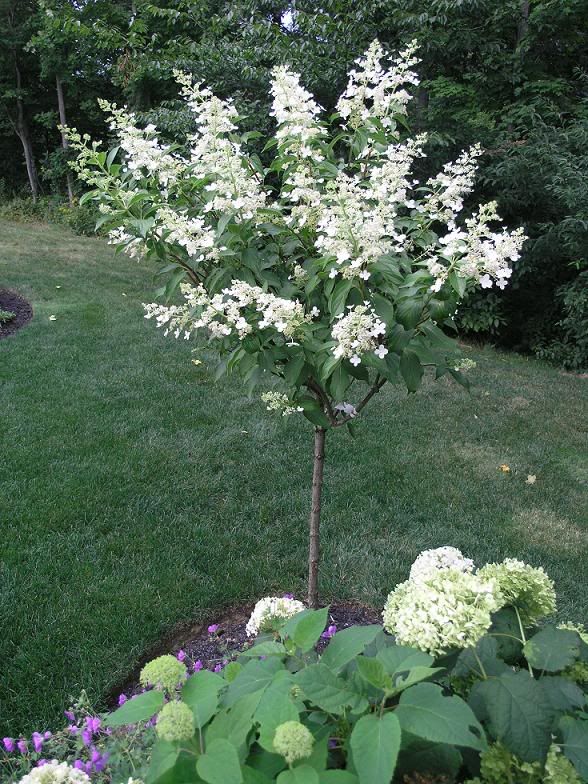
x=315 y=516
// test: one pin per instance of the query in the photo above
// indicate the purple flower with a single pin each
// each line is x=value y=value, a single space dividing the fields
x=87 y=737
x=37 y=739
x=181 y=655
x=93 y=723
x=8 y=744
x=197 y=666
x=288 y=596
x=47 y=735
x=69 y=715
x=330 y=632
x=22 y=746
x=88 y=768
x=73 y=729
x=218 y=668
x=41 y=762
x=95 y=755
x=79 y=764
x=213 y=628
x=332 y=743
x=101 y=763
x=122 y=699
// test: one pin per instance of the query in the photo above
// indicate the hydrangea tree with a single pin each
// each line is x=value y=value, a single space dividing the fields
x=332 y=269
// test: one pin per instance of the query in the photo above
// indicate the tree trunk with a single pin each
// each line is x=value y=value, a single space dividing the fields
x=315 y=516
x=22 y=131
x=64 y=142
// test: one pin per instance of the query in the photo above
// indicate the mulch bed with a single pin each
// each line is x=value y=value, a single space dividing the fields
x=225 y=644
x=10 y=300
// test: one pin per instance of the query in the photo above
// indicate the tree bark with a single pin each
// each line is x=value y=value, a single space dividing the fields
x=64 y=142
x=22 y=131
x=315 y=516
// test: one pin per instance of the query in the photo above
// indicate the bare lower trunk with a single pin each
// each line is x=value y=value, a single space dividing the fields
x=22 y=130
x=315 y=516
x=64 y=142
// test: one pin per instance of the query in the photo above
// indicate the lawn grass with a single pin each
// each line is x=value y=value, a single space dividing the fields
x=135 y=493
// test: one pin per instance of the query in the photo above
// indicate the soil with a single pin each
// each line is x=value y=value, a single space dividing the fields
x=10 y=300
x=230 y=638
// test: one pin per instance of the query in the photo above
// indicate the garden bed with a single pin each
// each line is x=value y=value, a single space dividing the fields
x=23 y=310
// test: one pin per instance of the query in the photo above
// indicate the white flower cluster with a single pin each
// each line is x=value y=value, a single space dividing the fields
x=232 y=186
x=300 y=189
x=358 y=332
x=132 y=246
x=276 y=401
x=439 y=558
x=193 y=234
x=375 y=92
x=238 y=308
x=390 y=180
x=449 y=187
x=442 y=609
x=145 y=156
x=269 y=610
x=55 y=772
x=295 y=111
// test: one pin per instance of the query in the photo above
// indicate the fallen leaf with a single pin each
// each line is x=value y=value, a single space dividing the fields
x=531 y=479
x=505 y=468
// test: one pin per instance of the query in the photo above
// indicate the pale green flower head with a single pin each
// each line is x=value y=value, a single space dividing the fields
x=446 y=609
x=55 y=772
x=175 y=722
x=293 y=741
x=165 y=672
x=528 y=588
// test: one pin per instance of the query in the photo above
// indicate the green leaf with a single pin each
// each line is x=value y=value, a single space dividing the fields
x=575 y=743
x=372 y=671
x=485 y=652
x=293 y=369
x=398 y=658
x=220 y=763
x=411 y=369
x=235 y=723
x=163 y=766
x=552 y=649
x=415 y=675
x=347 y=644
x=306 y=627
x=325 y=690
x=252 y=776
x=303 y=774
x=275 y=708
x=425 y=712
x=517 y=712
x=269 y=648
x=139 y=708
x=505 y=630
x=200 y=693
x=339 y=296
x=562 y=694
x=313 y=411
x=422 y=756
x=231 y=671
x=339 y=382
x=409 y=312
x=337 y=777
x=374 y=743
x=384 y=309
x=255 y=676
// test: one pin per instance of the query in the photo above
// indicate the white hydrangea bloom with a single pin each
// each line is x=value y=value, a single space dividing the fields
x=55 y=772
x=296 y=113
x=440 y=558
x=358 y=332
x=375 y=92
x=276 y=401
x=270 y=609
x=450 y=186
x=193 y=234
x=237 y=309
x=447 y=609
x=232 y=187
x=132 y=246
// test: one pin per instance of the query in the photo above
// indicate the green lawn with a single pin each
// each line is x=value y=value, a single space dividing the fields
x=134 y=493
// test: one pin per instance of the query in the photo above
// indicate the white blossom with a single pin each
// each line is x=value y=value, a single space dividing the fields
x=296 y=113
x=268 y=611
x=439 y=558
x=358 y=332
x=55 y=772
x=277 y=401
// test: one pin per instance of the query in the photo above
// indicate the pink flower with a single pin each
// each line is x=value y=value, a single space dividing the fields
x=122 y=699
x=8 y=744
x=181 y=655
x=330 y=632
x=213 y=628
x=197 y=666
x=288 y=596
x=22 y=746
x=37 y=739
x=47 y=735
x=41 y=762
x=218 y=668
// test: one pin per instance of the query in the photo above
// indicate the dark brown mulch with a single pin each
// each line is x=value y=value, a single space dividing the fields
x=10 y=300
x=214 y=649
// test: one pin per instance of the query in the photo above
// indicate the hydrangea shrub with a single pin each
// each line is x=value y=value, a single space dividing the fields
x=501 y=701
x=329 y=267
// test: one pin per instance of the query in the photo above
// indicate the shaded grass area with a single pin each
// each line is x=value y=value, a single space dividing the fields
x=135 y=493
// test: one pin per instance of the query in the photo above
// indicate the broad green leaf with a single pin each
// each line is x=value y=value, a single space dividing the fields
x=422 y=756
x=339 y=296
x=231 y=671
x=220 y=763
x=337 y=777
x=235 y=723
x=517 y=712
x=252 y=776
x=485 y=652
x=411 y=369
x=255 y=676
x=139 y=708
x=575 y=743
x=306 y=627
x=398 y=658
x=374 y=743
x=275 y=708
x=269 y=648
x=325 y=690
x=562 y=694
x=338 y=382
x=384 y=309
x=372 y=671
x=170 y=765
x=505 y=630
x=347 y=644
x=302 y=774
x=415 y=675
x=409 y=312
x=425 y=712
x=201 y=692
x=552 y=650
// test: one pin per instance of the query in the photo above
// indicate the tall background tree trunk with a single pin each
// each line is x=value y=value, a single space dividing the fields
x=22 y=131
x=315 y=516
x=64 y=142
